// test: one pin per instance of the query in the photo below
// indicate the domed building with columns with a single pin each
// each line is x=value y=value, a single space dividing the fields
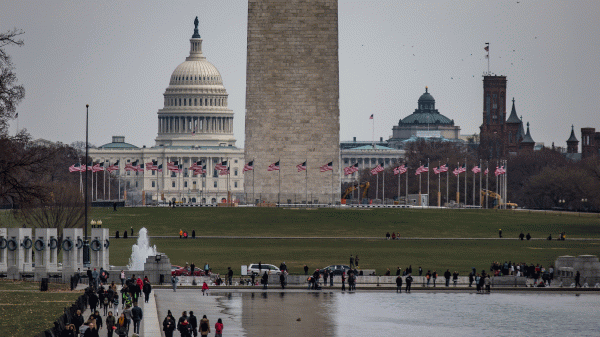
x=195 y=127
x=425 y=122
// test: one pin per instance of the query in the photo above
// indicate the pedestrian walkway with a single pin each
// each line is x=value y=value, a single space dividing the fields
x=151 y=323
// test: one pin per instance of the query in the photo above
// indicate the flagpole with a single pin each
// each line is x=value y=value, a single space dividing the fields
x=480 y=196
x=505 y=183
x=488 y=55
x=427 y=182
x=447 y=182
x=279 y=192
x=458 y=184
x=332 y=183
x=306 y=182
x=253 y=198
x=439 y=196
x=474 y=189
x=487 y=189
x=383 y=187
x=377 y=188
x=498 y=204
x=420 y=197
x=406 y=187
x=466 y=178
x=399 y=186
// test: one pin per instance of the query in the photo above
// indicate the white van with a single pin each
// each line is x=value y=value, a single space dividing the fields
x=269 y=268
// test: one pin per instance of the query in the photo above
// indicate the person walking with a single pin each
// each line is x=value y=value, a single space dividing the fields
x=110 y=324
x=219 y=328
x=351 y=261
x=204 y=289
x=577 y=279
x=69 y=331
x=78 y=320
x=282 y=280
x=169 y=324
x=230 y=275
x=356 y=260
x=398 y=284
x=122 y=277
x=122 y=328
x=136 y=315
x=206 y=269
x=500 y=233
x=174 y=281
x=455 y=278
x=487 y=284
x=409 y=280
x=147 y=289
x=93 y=301
x=193 y=320
x=305 y=270
x=265 y=280
x=344 y=281
x=434 y=277
x=185 y=328
x=204 y=326
x=428 y=277
x=331 y=279
x=447 y=277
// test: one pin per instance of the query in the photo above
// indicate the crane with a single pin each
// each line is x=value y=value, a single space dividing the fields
x=364 y=187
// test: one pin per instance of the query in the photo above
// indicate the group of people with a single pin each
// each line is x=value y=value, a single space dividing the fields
x=107 y=300
x=541 y=276
x=184 y=234
x=393 y=236
x=188 y=325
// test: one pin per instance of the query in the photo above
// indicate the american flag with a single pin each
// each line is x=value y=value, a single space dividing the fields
x=499 y=170
x=456 y=171
x=113 y=167
x=249 y=166
x=377 y=169
x=196 y=165
x=200 y=169
x=476 y=169
x=224 y=172
x=221 y=166
x=371 y=116
x=436 y=170
x=443 y=168
x=140 y=168
x=487 y=170
x=151 y=166
x=463 y=168
x=421 y=169
x=159 y=168
x=351 y=169
x=274 y=167
x=75 y=168
x=129 y=167
x=301 y=167
x=327 y=167
x=400 y=169
x=172 y=166
x=97 y=168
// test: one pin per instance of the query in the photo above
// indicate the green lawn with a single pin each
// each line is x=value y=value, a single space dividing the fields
x=25 y=311
x=346 y=222
x=377 y=254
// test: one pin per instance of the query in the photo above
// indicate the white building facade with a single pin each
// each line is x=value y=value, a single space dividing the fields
x=195 y=125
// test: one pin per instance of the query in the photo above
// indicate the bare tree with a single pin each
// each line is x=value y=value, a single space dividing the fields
x=11 y=94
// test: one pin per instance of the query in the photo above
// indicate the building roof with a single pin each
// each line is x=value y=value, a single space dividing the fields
x=513 y=118
x=371 y=147
x=413 y=139
x=426 y=113
x=527 y=139
x=572 y=139
x=118 y=145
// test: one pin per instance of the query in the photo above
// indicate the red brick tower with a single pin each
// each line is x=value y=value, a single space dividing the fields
x=590 y=142
x=494 y=142
x=572 y=142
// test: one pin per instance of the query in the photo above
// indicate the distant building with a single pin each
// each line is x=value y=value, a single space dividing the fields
x=425 y=122
x=500 y=136
x=195 y=125
x=368 y=157
x=590 y=142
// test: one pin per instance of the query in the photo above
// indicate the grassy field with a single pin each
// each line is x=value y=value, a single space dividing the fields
x=440 y=255
x=25 y=311
x=346 y=222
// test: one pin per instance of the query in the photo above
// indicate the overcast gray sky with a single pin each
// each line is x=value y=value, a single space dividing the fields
x=118 y=56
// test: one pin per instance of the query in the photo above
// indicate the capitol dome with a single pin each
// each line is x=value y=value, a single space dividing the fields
x=195 y=109
x=426 y=97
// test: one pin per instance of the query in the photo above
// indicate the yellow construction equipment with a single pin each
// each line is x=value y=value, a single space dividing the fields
x=498 y=202
x=364 y=187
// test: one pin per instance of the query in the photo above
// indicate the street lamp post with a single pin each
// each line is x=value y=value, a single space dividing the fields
x=86 y=245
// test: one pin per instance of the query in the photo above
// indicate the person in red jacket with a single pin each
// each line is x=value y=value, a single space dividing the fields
x=219 y=328
x=204 y=289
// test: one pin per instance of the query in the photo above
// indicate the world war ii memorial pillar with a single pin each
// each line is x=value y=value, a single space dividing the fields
x=19 y=252
x=45 y=248
x=99 y=249
x=292 y=100
x=3 y=250
x=72 y=250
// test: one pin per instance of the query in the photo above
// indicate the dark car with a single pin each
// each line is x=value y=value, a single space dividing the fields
x=337 y=269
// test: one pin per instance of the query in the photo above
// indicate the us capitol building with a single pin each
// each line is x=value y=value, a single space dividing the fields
x=194 y=125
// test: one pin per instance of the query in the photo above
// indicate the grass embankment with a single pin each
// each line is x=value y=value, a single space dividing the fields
x=26 y=311
x=244 y=221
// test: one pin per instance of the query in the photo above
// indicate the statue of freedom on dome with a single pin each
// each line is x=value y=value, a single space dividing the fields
x=196 y=22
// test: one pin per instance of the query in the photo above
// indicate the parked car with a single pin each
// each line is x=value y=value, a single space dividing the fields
x=337 y=269
x=269 y=268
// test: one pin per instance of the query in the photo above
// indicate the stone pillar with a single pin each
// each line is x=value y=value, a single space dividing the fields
x=153 y=269
x=3 y=251
x=72 y=251
x=99 y=248
x=45 y=248
x=19 y=252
